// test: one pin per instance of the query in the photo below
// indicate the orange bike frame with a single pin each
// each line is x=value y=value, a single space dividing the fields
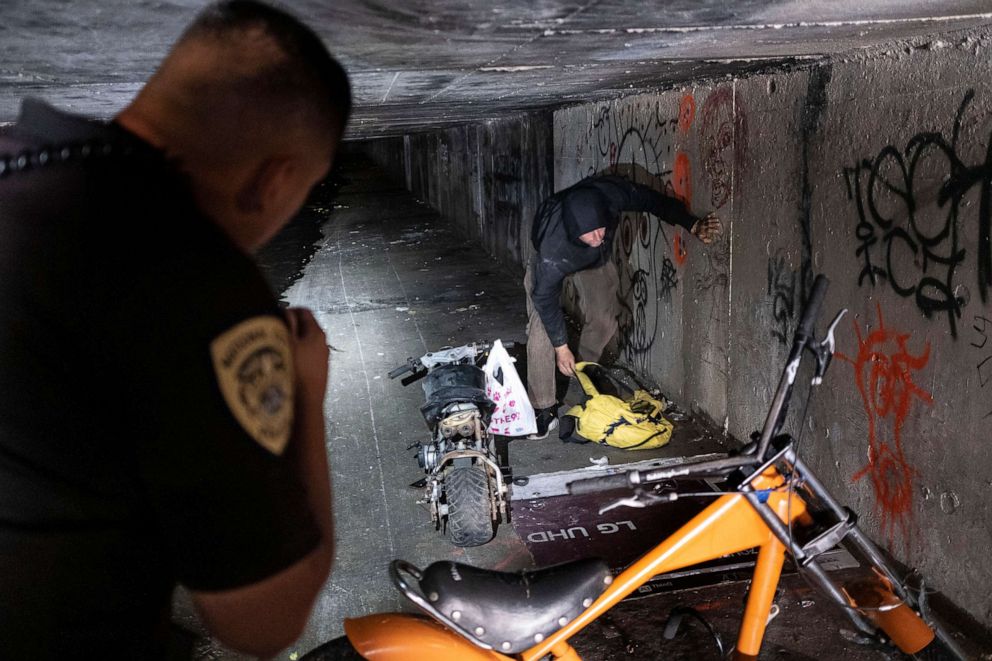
x=729 y=525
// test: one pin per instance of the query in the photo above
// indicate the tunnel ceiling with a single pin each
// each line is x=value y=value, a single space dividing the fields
x=418 y=65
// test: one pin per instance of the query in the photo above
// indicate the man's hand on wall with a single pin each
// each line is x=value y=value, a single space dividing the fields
x=565 y=360
x=708 y=228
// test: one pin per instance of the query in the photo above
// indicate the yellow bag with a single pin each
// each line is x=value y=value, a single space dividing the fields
x=634 y=424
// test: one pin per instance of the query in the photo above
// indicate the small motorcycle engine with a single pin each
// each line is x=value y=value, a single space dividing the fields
x=462 y=424
x=428 y=456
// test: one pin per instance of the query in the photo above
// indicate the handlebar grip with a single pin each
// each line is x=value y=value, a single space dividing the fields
x=414 y=376
x=812 y=310
x=596 y=484
x=402 y=369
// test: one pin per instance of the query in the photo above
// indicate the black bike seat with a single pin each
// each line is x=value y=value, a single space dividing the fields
x=514 y=611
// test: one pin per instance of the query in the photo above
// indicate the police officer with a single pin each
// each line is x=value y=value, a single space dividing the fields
x=572 y=235
x=161 y=418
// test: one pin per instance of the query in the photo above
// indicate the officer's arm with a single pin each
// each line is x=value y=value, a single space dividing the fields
x=265 y=617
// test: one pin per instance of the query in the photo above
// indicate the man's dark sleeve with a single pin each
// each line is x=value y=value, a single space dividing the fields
x=215 y=373
x=625 y=195
x=546 y=296
x=230 y=511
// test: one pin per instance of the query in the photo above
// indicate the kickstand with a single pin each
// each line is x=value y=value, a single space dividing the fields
x=675 y=618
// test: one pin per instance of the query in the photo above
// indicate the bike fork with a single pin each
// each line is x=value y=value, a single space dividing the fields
x=845 y=529
x=851 y=531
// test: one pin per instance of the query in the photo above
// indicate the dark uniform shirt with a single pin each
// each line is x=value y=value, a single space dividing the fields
x=145 y=376
x=561 y=219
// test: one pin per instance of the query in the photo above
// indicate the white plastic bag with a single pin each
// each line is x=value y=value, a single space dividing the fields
x=514 y=415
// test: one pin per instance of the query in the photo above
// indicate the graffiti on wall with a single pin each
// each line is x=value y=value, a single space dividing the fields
x=507 y=202
x=884 y=369
x=643 y=143
x=783 y=288
x=912 y=206
x=723 y=137
x=984 y=366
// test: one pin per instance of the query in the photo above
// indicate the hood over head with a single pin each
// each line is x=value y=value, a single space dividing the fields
x=583 y=210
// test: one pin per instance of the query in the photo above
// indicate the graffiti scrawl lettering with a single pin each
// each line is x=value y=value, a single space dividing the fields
x=782 y=287
x=640 y=142
x=908 y=232
x=984 y=366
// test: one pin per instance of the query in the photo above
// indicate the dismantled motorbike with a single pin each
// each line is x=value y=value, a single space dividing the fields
x=464 y=487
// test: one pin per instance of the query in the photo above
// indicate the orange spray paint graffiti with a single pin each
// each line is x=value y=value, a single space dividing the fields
x=687 y=113
x=682 y=178
x=883 y=372
x=678 y=249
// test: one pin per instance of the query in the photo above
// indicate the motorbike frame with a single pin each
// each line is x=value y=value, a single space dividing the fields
x=417 y=368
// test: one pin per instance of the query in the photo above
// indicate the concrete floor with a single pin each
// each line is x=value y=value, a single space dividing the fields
x=388 y=280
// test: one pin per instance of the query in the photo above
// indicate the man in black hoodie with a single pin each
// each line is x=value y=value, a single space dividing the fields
x=573 y=235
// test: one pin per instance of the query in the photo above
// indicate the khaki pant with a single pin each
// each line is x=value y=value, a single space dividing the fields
x=596 y=290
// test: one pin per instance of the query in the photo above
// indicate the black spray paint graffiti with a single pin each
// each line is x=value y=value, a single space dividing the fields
x=638 y=141
x=908 y=228
x=812 y=116
x=668 y=280
x=507 y=203
x=782 y=287
x=788 y=290
x=636 y=258
x=984 y=367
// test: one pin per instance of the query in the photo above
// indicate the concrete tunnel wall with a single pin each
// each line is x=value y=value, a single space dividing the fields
x=488 y=178
x=874 y=169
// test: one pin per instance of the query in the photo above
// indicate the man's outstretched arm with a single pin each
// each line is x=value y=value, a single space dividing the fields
x=627 y=195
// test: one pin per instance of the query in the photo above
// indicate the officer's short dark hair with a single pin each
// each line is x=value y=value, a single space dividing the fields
x=308 y=74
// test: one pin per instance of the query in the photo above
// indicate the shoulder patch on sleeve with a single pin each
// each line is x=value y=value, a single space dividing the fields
x=254 y=366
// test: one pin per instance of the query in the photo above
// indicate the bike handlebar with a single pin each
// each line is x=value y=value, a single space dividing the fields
x=415 y=365
x=399 y=371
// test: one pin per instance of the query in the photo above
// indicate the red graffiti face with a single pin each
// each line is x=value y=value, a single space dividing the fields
x=883 y=373
x=724 y=142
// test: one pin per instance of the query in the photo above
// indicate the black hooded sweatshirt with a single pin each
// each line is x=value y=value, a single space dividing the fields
x=592 y=203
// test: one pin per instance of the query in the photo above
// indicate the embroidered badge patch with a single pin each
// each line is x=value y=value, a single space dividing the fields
x=254 y=366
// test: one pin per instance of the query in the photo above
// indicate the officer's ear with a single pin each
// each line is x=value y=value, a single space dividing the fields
x=267 y=185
